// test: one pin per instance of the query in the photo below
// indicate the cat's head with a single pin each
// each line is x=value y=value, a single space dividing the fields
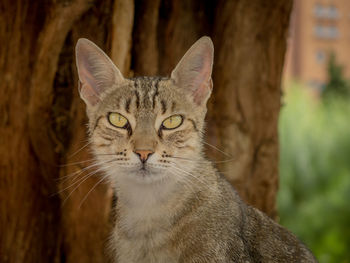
x=148 y=128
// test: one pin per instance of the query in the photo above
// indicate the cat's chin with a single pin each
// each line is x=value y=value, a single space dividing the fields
x=145 y=175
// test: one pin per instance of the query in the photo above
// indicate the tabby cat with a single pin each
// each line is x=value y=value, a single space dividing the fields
x=173 y=205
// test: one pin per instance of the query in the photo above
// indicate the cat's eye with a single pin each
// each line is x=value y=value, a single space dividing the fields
x=172 y=122
x=117 y=120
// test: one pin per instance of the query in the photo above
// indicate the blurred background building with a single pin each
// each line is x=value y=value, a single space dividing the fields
x=314 y=131
x=318 y=29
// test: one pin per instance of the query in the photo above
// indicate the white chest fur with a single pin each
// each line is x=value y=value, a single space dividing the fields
x=143 y=232
x=151 y=248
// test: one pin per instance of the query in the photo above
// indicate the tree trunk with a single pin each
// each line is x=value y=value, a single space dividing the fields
x=250 y=37
x=54 y=213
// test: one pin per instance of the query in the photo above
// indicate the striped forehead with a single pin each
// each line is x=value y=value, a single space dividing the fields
x=144 y=95
x=147 y=91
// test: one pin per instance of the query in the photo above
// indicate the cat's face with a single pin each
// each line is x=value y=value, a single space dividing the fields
x=146 y=129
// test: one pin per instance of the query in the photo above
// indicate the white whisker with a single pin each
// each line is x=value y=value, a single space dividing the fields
x=85 y=178
x=82 y=179
x=216 y=148
x=84 y=146
x=201 y=160
x=76 y=182
x=188 y=173
x=75 y=163
x=82 y=201
x=183 y=180
x=77 y=173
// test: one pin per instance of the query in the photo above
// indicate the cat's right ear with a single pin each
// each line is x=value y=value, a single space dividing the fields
x=193 y=72
x=97 y=73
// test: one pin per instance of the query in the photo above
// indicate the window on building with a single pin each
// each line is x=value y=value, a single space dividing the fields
x=320 y=56
x=326 y=32
x=318 y=10
x=316 y=85
x=333 y=12
x=319 y=31
x=333 y=32
x=328 y=12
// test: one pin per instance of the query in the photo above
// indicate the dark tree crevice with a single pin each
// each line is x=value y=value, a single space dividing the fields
x=42 y=118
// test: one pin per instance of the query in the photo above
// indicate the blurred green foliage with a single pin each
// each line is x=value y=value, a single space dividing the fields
x=336 y=85
x=314 y=196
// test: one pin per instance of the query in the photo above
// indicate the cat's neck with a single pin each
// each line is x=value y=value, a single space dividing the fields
x=145 y=208
x=162 y=196
x=134 y=195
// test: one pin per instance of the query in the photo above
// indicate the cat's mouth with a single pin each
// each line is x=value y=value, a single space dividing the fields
x=145 y=173
x=148 y=173
x=143 y=170
x=146 y=170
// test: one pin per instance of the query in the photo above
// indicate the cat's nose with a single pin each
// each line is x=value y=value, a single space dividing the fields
x=143 y=154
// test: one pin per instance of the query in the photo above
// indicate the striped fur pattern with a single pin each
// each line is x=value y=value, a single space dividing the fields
x=175 y=206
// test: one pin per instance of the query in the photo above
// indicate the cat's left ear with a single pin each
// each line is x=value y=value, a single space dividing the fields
x=97 y=73
x=193 y=72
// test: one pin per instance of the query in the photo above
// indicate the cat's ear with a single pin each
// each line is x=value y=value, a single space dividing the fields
x=193 y=72
x=96 y=71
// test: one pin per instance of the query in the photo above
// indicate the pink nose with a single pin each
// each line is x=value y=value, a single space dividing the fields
x=143 y=154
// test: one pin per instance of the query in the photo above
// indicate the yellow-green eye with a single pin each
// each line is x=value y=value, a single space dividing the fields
x=117 y=120
x=172 y=122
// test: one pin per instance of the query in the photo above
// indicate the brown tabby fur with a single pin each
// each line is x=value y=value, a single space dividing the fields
x=174 y=207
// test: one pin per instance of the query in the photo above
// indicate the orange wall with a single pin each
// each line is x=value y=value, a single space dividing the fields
x=303 y=45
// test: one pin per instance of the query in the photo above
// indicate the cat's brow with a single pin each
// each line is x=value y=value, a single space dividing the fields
x=146 y=91
x=137 y=95
x=117 y=104
x=155 y=94
x=173 y=105
x=127 y=105
x=96 y=123
x=164 y=108
x=194 y=124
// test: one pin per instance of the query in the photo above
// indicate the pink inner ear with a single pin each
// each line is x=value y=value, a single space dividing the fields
x=201 y=83
x=87 y=78
x=97 y=73
x=193 y=72
x=88 y=94
x=202 y=91
x=88 y=86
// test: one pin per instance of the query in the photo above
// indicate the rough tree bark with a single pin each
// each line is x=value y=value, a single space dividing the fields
x=251 y=43
x=50 y=213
